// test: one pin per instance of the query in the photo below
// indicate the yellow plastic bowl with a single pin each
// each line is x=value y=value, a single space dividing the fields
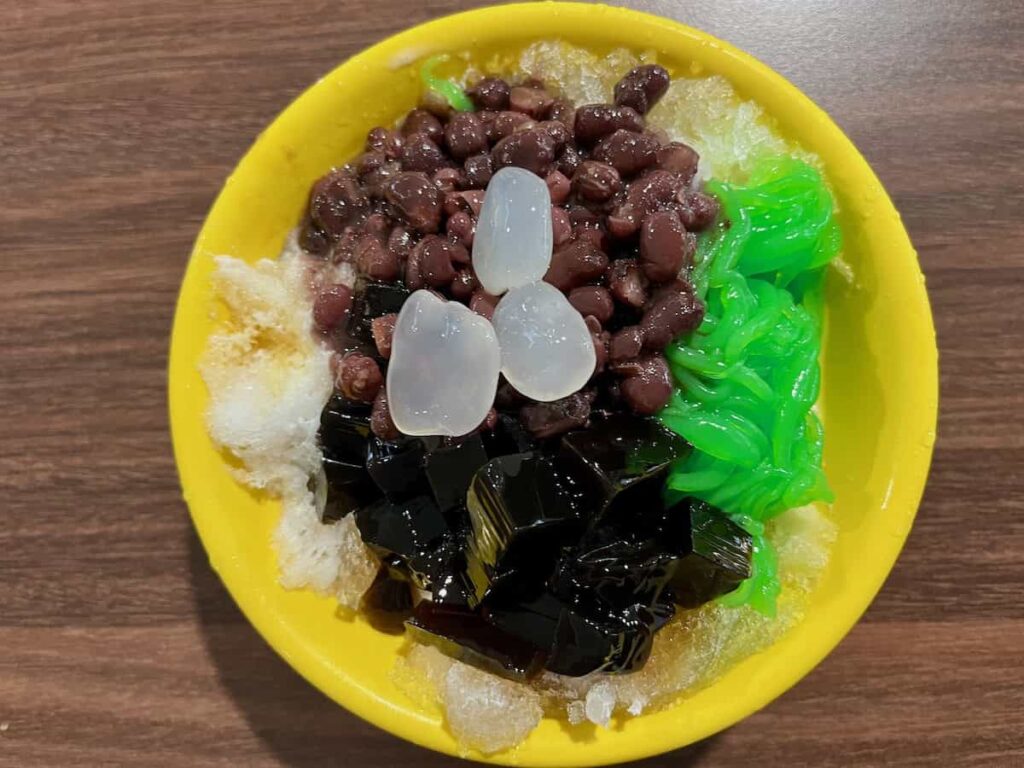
x=879 y=368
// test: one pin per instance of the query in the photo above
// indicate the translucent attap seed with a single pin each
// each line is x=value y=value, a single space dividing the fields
x=444 y=367
x=546 y=349
x=513 y=240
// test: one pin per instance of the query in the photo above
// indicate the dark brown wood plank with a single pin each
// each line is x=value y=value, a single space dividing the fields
x=118 y=123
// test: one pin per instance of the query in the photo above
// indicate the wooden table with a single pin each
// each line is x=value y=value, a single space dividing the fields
x=118 y=122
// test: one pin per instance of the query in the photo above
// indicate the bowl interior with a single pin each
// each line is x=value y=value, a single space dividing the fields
x=879 y=378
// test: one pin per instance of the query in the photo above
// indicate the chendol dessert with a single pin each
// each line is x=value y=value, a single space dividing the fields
x=536 y=380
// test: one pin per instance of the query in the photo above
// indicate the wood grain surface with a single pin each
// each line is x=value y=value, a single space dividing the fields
x=119 y=119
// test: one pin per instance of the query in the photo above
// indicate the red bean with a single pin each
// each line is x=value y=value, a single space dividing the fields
x=646 y=383
x=678 y=285
x=464 y=285
x=459 y=253
x=595 y=121
x=331 y=306
x=600 y=339
x=337 y=201
x=400 y=243
x=627 y=152
x=375 y=261
x=557 y=131
x=478 y=171
x=654 y=191
x=388 y=142
x=533 y=150
x=588 y=225
x=313 y=239
x=569 y=160
x=583 y=217
x=505 y=124
x=483 y=303
x=559 y=186
x=698 y=210
x=417 y=199
x=679 y=158
x=344 y=250
x=626 y=344
x=359 y=378
x=561 y=226
x=490 y=93
x=596 y=236
x=575 y=264
x=622 y=222
x=525 y=125
x=535 y=102
x=376 y=181
x=593 y=300
x=447 y=179
x=595 y=181
x=665 y=246
x=543 y=420
x=380 y=418
x=564 y=112
x=465 y=135
x=369 y=161
x=378 y=225
x=420 y=153
x=436 y=257
x=461 y=228
x=642 y=87
x=487 y=119
x=383 y=329
x=421 y=121
x=414 y=270
x=627 y=283
x=470 y=201
x=669 y=315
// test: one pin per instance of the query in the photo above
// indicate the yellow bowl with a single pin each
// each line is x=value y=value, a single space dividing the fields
x=880 y=379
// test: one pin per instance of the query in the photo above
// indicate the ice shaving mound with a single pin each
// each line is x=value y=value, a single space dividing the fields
x=329 y=559
x=704 y=112
x=485 y=713
x=268 y=380
x=488 y=713
x=267 y=377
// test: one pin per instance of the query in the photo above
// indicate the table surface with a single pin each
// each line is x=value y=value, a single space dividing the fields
x=119 y=119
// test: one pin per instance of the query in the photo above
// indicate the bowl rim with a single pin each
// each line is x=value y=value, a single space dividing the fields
x=375 y=709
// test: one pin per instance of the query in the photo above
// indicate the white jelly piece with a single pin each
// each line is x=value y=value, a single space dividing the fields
x=546 y=349
x=512 y=244
x=444 y=367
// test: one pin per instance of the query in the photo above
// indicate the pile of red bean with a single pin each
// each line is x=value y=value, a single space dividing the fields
x=624 y=213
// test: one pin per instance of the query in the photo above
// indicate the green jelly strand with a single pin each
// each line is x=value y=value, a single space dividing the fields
x=446 y=89
x=748 y=378
x=761 y=590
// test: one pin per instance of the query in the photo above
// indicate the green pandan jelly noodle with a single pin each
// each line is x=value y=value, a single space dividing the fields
x=748 y=377
x=448 y=90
